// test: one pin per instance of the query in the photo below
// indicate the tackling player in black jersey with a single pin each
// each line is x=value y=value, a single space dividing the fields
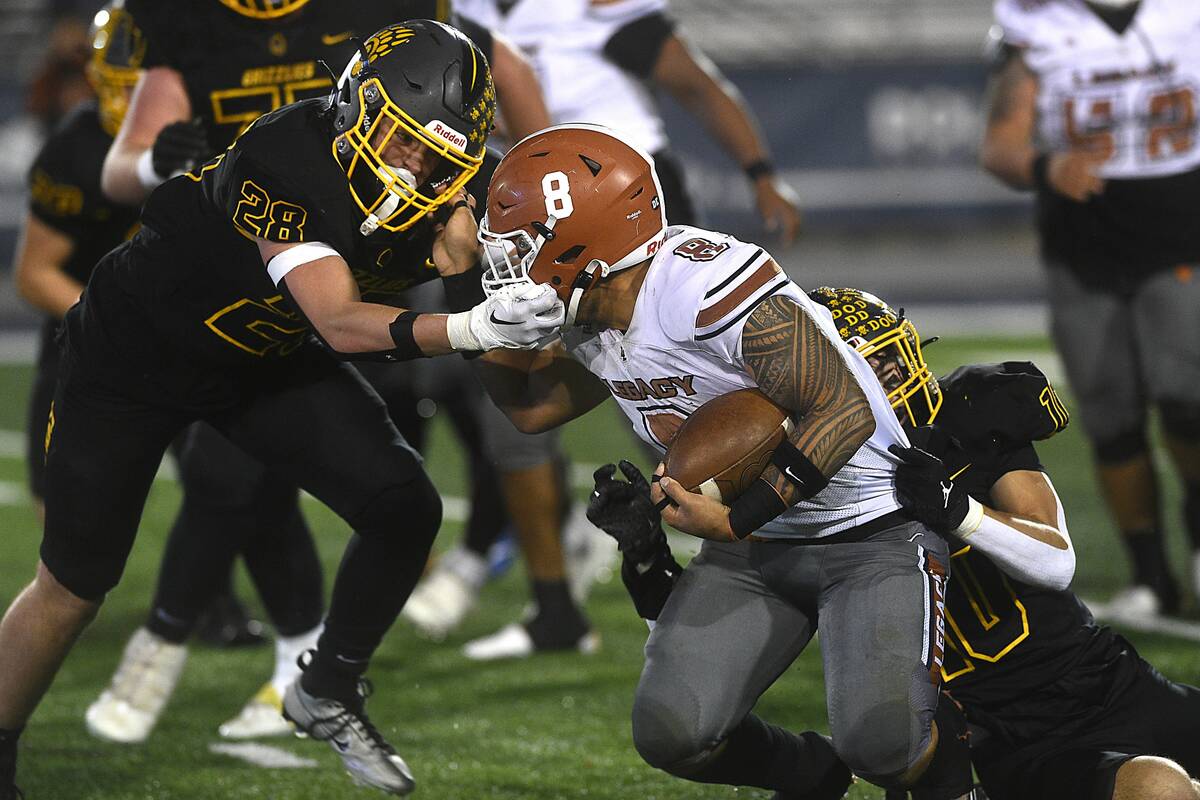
x=1059 y=706
x=212 y=66
x=206 y=314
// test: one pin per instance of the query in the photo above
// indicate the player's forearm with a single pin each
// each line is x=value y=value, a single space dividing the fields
x=519 y=93
x=1008 y=151
x=1010 y=161
x=367 y=330
x=49 y=289
x=719 y=106
x=1029 y=551
x=536 y=390
x=42 y=252
x=119 y=178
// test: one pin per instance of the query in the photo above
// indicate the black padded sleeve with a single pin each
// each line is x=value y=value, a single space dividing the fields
x=636 y=46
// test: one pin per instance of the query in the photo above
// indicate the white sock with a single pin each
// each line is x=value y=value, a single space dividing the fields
x=287 y=650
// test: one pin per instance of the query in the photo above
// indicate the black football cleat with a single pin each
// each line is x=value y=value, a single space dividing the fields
x=833 y=786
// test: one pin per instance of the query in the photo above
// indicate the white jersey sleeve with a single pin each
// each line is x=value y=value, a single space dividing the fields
x=617 y=13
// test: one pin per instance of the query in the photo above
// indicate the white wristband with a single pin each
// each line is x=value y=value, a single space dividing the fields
x=458 y=331
x=145 y=171
x=972 y=521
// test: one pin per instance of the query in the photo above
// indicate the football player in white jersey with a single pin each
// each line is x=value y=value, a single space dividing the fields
x=664 y=319
x=1094 y=106
x=599 y=61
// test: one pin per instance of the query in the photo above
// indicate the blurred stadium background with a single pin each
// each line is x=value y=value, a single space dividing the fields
x=874 y=110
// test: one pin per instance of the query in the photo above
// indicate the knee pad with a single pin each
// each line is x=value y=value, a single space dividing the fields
x=1180 y=420
x=1120 y=447
x=666 y=740
x=414 y=506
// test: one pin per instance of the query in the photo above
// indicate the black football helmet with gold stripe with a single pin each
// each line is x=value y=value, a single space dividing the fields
x=415 y=86
x=891 y=346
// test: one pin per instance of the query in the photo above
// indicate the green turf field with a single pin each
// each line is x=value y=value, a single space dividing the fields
x=552 y=727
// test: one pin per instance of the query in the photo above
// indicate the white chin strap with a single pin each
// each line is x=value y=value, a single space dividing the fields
x=581 y=286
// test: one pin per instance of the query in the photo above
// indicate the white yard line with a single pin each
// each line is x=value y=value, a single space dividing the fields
x=263 y=755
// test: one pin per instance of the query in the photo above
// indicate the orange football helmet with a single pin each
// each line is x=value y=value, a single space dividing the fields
x=568 y=206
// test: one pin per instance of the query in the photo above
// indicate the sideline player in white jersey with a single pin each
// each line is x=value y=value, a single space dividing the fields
x=1095 y=107
x=598 y=61
x=664 y=319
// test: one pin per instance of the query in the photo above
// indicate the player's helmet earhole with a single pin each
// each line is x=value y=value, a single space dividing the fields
x=556 y=280
x=593 y=166
x=569 y=255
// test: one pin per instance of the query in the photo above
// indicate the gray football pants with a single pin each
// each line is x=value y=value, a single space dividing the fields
x=741 y=613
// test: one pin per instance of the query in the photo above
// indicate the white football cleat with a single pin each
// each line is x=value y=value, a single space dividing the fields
x=514 y=641
x=1134 y=602
x=129 y=708
x=261 y=716
x=368 y=758
x=588 y=552
x=444 y=597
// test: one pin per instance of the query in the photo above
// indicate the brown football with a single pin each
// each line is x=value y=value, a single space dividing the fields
x=726 y=443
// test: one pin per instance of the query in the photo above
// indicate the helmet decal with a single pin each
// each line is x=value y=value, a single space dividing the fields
x=892 y=347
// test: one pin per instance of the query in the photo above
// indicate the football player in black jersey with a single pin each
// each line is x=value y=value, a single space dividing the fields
x=212 y=67
x=210 y=312
x=70 y=223
x=1059 y=706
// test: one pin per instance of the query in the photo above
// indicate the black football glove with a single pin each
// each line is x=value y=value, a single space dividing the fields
x=926 y=491
x=624 y=510
x=178 y=148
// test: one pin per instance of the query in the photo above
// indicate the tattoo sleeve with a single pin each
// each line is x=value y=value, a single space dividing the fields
x=800 y=369
x=1008 y=87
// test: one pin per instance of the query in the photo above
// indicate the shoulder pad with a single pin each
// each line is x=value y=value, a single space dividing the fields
x=1004 y=405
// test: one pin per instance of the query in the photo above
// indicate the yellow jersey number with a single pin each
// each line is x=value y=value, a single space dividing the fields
x=257 y=216
x=259 y=327
x=997 y=621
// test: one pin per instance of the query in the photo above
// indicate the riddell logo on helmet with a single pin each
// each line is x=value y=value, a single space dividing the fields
x=447 y=134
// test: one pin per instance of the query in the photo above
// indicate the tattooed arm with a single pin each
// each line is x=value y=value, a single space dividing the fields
x=1008 y=151
x=799 y=368
x=802 y=370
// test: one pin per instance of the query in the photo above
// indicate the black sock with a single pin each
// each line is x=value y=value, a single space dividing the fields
x=759 y=754
x=8 y=756
x=1150 y=565
x=1191 y=512
x=558 y=623
x=335 y=670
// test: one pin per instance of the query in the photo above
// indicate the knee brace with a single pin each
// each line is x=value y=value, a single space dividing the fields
x=1120 y=447
x=1180 y=420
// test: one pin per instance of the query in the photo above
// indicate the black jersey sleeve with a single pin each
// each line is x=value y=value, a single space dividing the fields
x=55 y=196
x=636 y=46
x=64 y=179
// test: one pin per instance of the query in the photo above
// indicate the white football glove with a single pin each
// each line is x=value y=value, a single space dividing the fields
x=517 y=316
